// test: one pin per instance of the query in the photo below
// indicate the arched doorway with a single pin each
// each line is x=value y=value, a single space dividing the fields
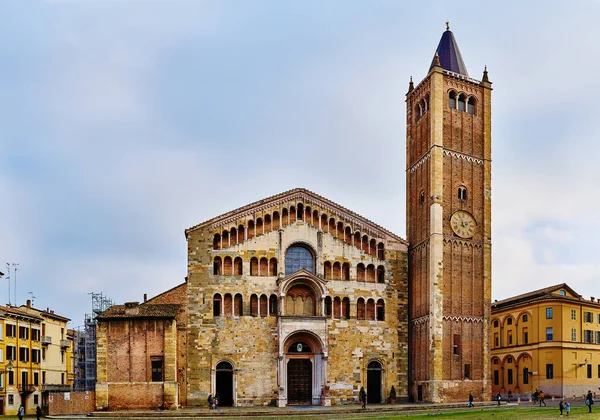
x=303 y=369
x=374 y=382
x=299 y=373
x=224 y=384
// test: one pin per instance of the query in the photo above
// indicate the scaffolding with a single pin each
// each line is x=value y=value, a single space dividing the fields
x=85 y=349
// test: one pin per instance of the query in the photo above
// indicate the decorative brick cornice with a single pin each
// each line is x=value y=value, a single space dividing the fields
x=420 y=320
x=463 y=156
x=467 y=243
x=462 y=318
x=420 y=162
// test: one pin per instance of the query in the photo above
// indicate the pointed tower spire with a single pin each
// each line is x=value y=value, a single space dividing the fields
x=449 y=55
x=411 y=85
x=485 y=75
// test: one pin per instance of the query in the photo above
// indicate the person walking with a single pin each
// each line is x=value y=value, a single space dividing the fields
x=542 y=396
x=21 y=412
x=38 y=412
x=561 y=407
x=471 y=400
x=589 y=401
x=567 y=407
x=365 y=400
x=498 y=397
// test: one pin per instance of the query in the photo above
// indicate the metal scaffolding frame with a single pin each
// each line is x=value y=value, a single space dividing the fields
x=85 y=348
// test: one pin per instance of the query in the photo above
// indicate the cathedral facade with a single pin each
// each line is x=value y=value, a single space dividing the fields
x=295 y=299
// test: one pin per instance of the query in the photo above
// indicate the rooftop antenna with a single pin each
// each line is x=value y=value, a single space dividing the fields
x=32 y=298
x=15 y=266
x=8 y=278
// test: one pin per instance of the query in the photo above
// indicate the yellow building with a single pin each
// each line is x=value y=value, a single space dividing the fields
x=549 y=340
x=20 y=365
x=56 y=361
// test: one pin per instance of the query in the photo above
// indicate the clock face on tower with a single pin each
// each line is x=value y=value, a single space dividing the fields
x=463 y=224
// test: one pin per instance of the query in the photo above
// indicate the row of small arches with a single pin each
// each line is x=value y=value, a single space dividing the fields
x=339 y=271
x=228 y=266
x=265 y=267
x=297 y=304
x=270 y=223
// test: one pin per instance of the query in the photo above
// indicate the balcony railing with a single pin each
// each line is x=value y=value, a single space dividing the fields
x=65 y=343
x=46 y=339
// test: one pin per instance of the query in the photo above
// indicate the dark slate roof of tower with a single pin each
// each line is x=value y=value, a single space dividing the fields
x=449 y=54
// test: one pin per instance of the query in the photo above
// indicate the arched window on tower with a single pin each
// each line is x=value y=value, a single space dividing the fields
x=462 y=193
x=253 y=305
x=422 y=197
x=381 y=274
x=298 y=257
x=237 y=266
x=461 y=102
x=471 y=106
x=452 y=100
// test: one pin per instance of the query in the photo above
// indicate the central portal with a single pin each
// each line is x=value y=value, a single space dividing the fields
x=299 y=374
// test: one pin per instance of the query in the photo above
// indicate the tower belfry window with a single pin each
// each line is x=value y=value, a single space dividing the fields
x=462 y=193
x=461 y=102
x=452 y=100
x=471 y=106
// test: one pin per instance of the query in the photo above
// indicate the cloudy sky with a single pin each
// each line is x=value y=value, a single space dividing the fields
x=124 y=122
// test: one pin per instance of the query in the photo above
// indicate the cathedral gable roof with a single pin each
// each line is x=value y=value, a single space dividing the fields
x=306 y=197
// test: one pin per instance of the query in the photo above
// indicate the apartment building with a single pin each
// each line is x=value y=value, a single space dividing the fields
x=547 y=339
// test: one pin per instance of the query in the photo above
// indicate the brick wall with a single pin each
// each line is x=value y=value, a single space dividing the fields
x=78 y=403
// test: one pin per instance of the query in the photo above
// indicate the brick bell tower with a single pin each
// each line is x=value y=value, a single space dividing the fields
x=448 y=224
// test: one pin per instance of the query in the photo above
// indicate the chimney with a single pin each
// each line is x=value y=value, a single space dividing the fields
x=29 y=303
x=145 y=297
x=592 y=298
x=52 y=311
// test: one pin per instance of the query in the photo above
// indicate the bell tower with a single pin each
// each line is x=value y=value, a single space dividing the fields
x=448 y=225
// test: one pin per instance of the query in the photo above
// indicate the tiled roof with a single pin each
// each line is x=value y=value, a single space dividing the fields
x=449 y=54
x=11 y=311
x=536 y=295
x=140 y=311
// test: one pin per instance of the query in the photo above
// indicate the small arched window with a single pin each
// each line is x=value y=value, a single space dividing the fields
x=461 y=102
x=227 y=266
x=217 y=305
x=380 y=248
x=238 y=305
x=360 y=272
x=525 y=318
x=380 y=274
x=462 y=193
x=380 y=312
x=254 y=266
x=418 y=111
x=471 y=106
x=422 y=197
x=237 y=266
x=346 y=271
x=509 y=321
x=254 y=305
x=217 y=241
x=496 y=323
x=328 y=306
x=273 y=305
x=217 y=266
x=346 y=308
x=452 y=100
x=360 y=309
